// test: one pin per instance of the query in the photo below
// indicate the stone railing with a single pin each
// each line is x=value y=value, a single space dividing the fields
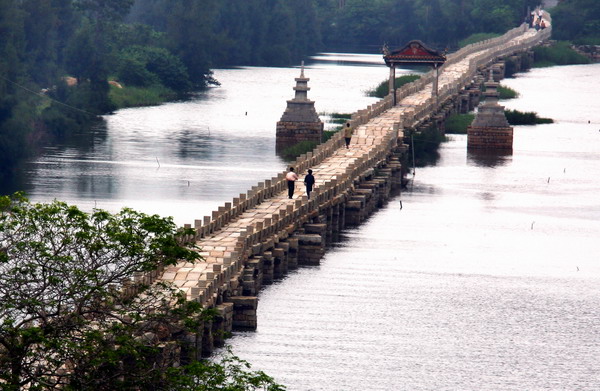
x=293 y=213
x=275 y=185
x=297 y=211
x=502 y=46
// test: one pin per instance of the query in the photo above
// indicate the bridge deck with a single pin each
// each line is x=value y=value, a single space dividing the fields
x=219 y=248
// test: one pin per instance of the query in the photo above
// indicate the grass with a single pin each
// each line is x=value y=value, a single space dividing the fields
x=457 y=123
x=383 y=89
x=136 y=96
x=341 y=116
x=474 y=38
x=590 y=40
x=338 y=120
x=558 y=54
x=327 y=134
x=516 y=117
x=298 y=149
x=544 y=64
x=506 y=92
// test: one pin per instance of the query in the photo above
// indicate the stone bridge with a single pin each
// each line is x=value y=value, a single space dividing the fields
x=260 y=235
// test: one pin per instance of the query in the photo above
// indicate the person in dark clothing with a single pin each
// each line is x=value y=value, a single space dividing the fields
x=309 y=181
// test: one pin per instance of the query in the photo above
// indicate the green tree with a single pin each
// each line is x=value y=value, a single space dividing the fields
x=190 y=32
x=13 y=128
x=229 y=373
x=397 y=34
x=105 y=11
x=71 y=317
x=145 y=65
x=63 y=319
x=577 y=21
x=359 y=23
x=91 y=53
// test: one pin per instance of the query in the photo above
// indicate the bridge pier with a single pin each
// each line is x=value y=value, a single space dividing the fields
x=311 y=246
x=261 y=235
x=244 y=312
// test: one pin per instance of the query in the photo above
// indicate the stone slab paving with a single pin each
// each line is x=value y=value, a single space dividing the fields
x=222 y=244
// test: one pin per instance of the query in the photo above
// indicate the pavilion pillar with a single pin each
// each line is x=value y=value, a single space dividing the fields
x=392 y=83
x=414 y=53
x=434 y=88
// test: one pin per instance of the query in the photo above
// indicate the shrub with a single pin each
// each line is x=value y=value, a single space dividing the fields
x=136 y=96
x=143 y=66
x=327 y=134
x=558 y=54
x=457 y=123
x=298 y=149
x=507 y=93
x=516 y=117
x=383 y=88
x=133 y=72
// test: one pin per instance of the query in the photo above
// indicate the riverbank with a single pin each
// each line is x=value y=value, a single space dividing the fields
x=124 y=97
x=557 y=53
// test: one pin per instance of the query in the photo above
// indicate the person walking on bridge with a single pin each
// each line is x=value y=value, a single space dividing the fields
x=309 y=181
x=291 y=177
x=347 y=133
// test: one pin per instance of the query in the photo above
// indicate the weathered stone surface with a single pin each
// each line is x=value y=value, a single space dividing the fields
x=310 y=239
x=490 y=129
x=347 y=190
x=490 y=138
x=300 y=121
x=318 y=229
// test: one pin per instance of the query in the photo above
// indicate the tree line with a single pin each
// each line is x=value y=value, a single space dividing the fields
x=577 y=21
x=173 y=44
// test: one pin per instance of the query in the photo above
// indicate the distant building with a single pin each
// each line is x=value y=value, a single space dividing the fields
x=300 y=121
x=490 y=129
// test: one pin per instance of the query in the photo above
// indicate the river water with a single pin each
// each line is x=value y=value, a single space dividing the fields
x=484 y=274
x=185 y=159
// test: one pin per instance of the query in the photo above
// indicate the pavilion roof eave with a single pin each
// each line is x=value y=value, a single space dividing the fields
x=414 y=61
x=414 y=53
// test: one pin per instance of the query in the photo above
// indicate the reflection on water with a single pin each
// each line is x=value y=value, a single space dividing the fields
x=488 y=158
x=184 y=159
x=485 y=279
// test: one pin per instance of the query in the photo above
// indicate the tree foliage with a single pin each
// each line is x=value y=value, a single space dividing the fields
x=440 y=23
x=65 y=321
x=577 y=21
x=229 y=373
x=174 y=44
x=63 y=317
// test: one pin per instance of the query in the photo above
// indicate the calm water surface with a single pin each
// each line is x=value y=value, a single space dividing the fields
x=487 y=278
x=185 y=159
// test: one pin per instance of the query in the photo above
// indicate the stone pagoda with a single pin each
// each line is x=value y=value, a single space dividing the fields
x=300 y=121
x=490 y=130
